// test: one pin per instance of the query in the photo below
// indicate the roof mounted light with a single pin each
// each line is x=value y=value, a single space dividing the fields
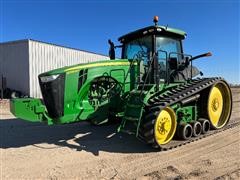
x=155 y=20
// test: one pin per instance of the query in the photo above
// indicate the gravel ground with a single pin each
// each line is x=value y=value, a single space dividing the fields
x=82 y=151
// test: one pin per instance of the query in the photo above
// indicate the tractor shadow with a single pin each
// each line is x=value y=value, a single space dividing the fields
x=15 y=133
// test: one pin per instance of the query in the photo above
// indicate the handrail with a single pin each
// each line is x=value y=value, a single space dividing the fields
x=150 y=66
x=166 y=53
x=131 y=64
x=135 y=58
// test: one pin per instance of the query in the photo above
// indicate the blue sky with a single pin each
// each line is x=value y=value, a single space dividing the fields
x=211 y=25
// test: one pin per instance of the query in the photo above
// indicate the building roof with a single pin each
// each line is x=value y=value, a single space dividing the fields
x=25 y=40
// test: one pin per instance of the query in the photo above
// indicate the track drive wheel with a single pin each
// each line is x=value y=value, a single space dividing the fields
x=219 y=105
x=159 y=127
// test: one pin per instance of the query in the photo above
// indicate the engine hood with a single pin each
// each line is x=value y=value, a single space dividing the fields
x=75 y=68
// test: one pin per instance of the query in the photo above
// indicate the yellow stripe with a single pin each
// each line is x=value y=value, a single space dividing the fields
x=97 y=65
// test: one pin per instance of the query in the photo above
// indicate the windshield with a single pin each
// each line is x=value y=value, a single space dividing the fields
x=171 y=46
x=167 y=47
x=141 y=47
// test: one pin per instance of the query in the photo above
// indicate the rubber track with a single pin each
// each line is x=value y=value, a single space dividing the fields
x=170 y=97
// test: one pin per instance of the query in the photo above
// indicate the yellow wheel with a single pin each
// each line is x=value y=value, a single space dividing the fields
x=219 y=105
x=165 y=126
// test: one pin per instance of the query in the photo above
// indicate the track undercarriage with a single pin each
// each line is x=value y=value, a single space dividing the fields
x=181 y=114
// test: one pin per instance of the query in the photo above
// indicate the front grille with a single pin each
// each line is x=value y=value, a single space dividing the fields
x=53 y=95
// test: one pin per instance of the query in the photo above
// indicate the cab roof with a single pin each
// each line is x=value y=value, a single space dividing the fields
x=161 y=30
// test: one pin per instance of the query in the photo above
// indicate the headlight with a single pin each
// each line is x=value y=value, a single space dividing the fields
x=48 y=78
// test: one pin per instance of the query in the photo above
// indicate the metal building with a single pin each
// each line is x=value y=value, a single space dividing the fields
x=22 y=61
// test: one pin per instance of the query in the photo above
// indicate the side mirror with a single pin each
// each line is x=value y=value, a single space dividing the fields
x=184 y=63
x=187 y=62
x=111 y=49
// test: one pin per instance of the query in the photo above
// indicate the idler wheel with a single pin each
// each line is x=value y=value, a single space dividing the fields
x=165 y=126
x=219 y=105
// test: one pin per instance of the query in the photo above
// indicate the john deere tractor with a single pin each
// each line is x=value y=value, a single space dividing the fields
x=153 y=92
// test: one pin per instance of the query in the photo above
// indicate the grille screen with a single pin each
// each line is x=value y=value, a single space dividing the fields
x=53 y=95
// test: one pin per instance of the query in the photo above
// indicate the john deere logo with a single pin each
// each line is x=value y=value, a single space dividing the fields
x=215 y=104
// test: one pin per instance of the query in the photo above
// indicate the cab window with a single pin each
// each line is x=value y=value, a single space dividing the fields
x=141 y=47
x=167 y=47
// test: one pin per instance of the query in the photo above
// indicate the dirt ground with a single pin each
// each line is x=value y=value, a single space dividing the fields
x=83 y=151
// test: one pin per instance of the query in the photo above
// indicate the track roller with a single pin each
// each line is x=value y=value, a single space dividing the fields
x=197 y=128
x=184 y=131
x=205 y=125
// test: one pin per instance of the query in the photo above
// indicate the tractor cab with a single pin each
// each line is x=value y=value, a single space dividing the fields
x=159 y=48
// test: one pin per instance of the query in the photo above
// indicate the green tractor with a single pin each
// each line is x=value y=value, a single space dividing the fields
x=154 y=92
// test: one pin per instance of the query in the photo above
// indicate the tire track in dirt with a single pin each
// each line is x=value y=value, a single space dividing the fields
x=148 y=160
x=186 y=153
x=213 y=157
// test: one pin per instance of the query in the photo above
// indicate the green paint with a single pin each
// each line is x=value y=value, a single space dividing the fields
x=186 y=114
x=29 y=109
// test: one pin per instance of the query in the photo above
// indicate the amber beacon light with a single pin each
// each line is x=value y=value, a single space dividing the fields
x=155 y=20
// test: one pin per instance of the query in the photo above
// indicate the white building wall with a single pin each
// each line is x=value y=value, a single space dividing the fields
x=22 y=61
x=44 y=57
